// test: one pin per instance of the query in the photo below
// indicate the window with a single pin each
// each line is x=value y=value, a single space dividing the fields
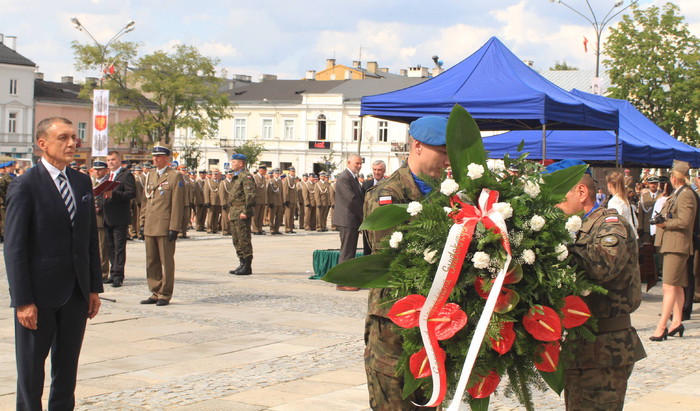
x=355 y=130
x=321 y=125
x=81 y=131
x=239 y=129
x=267 y=128
x=13 y=86
x=12 y=123
x=383 y=131
x=288 y=129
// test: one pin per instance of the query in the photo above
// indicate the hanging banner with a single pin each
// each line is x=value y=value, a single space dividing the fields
x=100 y=120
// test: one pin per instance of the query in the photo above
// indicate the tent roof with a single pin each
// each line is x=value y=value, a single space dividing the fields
x=499 y=91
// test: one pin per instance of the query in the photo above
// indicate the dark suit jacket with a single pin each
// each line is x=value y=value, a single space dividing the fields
x=44 y=253
x=117 y=210
x=348 y=201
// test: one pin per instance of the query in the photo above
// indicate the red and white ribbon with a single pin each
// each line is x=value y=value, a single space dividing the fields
x=458 y=240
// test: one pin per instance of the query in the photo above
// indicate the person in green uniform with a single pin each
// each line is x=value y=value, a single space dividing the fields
x=606 y=249
x=427 y=156
x=241 y=206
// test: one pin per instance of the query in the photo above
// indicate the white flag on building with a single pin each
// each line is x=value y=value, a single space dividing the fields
x=100 y=121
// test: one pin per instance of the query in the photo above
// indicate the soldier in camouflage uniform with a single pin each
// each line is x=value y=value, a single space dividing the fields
x=241 y=206
x=5 y=180
x=428 y=155
x=606 y=248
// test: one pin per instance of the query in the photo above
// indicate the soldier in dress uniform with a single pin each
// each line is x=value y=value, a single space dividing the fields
x=309 y=193
x=427 y=155
x=139 y=179
x=629 y=180
x=606 y=249
x=200 y=210
x=187 y=194
x=646 y=209
x=289 y=199
x=161 y=220
x=323 y=201
x=260 y=180
x=212 y=201
x=100 y=177
x=333 y=184
x=241 y=203
x=301 y=210
x=224 y=190
x=275 y=203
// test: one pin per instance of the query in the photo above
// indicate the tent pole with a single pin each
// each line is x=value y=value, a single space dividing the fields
x=618 y=165
x=544 y=143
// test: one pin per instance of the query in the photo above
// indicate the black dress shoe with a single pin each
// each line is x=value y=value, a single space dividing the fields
x=117 y=283
x=149 y=300
x=162 y=302
x=108 y=281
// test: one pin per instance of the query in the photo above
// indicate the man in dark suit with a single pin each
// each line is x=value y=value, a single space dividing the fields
x=53 y=267
x=378 y=172
x=117 y=216
x=348 y=211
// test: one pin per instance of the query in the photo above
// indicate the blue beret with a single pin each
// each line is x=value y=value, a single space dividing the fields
x=429 y=130
x=3 y=165
x=560 y=165
x=160 y=151
x=239 y=156
x=99 y=165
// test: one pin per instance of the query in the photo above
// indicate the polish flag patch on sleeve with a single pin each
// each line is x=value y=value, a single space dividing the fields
x=611 y=219
x=384 y=200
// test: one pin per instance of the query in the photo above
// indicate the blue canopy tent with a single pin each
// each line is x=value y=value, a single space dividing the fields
x=499 y=91
x=641 y=142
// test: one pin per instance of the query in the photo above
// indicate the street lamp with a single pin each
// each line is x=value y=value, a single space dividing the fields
x=598 y=25
x=103 y=49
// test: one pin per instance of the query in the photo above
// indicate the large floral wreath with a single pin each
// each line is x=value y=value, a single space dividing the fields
x=479 y=276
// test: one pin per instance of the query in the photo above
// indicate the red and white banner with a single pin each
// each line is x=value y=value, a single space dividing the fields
x=100 y=121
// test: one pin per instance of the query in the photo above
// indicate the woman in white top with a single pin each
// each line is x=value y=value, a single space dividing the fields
x=664 y=192
x=618 y=198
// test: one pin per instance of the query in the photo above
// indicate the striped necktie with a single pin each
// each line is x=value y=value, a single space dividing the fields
x=67 y=196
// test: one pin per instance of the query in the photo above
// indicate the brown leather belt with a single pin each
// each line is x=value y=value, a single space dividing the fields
x=606 y=325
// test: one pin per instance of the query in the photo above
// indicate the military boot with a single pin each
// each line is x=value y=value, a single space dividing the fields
x=247 y=268
x=240 y=266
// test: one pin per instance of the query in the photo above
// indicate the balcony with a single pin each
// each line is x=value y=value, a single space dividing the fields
x=399 y=147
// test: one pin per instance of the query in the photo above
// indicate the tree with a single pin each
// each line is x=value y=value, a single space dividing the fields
x=168 y=90
x=251 y=150
x=654 y=63
x=562 y=66
x=329 y=165
x=190 y=154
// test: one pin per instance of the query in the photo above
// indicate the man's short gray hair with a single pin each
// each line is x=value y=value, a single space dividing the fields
x=379 y=163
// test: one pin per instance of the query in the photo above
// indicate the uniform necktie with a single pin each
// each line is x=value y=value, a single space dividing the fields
x=67 y=196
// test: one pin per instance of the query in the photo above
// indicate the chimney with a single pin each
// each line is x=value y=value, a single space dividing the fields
x=356 y=64
x=383 y=69
x=372 y=67
x=330 y=63
x=11 y=42
x=268 y=77
x=39 y=75
x=403 y=72
x=67 y=79
x=348 y=74
x=310 y=74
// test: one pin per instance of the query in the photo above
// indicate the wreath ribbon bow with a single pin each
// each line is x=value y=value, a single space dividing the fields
x=458 y=240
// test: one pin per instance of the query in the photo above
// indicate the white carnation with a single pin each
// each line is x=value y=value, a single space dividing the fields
x=395 y=239
x=531 y=188
x=414 y=208
x=504 y=208
x=475 y=171
x=449 y=187
x=429 y=255
x=448 y=210
x=529 y=256
x=562 y=252
x=481 y=260
x=536 y=223
x=573 y=224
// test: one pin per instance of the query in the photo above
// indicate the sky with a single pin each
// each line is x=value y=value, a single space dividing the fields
x=287 y=38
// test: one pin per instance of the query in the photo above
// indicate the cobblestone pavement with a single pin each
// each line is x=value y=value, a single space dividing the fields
x=275 y=340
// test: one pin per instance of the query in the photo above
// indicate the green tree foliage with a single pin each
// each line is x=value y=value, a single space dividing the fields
x=190 y=154
x=562 y=66
x=251 y=150
x=654 y=63
x=172 y=90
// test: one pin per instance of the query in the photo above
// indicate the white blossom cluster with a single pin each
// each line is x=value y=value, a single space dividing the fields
x=536 y=223
x=395 y=239
x=430 y=255
x=573 y=224
x=475 y=171
x=504 y=209
x=562 y=252
x=414 y=208
x=531 y=188
x=481 y=260
x=449 y=187
x=528 y=256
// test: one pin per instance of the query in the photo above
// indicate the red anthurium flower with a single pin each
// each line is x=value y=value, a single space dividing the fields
x=420 y=368
x=449 y=320
x=575 y=312
x=514 y=275
x=406 y=311
x=543 y=323
x=485 y=386
x=548 y=358
x=506 y=338
x=507 y=298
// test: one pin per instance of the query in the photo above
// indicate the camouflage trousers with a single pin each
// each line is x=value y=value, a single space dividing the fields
x=596 y=389
x=241 y=236
x=383 y=348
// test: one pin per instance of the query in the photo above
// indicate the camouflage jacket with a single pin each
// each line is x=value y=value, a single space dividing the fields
x=606 y=249
x=241 y=198
x=5 y=181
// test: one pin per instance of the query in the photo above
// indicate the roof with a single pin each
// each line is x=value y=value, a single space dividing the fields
x=575 y=79
x=9 y=56
x=59 y=92
x=281 y=91
x=356 y=89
